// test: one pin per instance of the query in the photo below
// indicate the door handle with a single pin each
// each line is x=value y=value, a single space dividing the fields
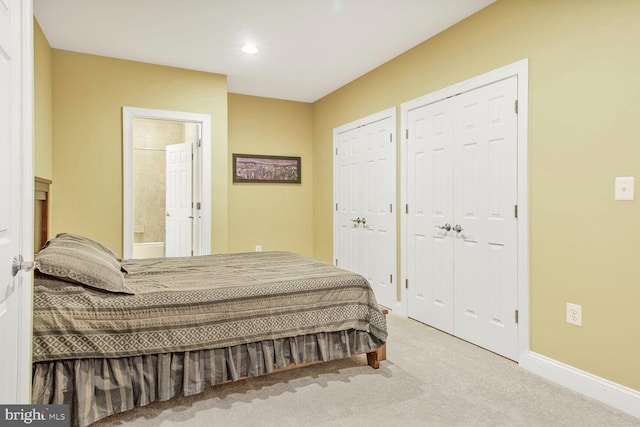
x=359 y=221
x=19 y=264
x=457 y=228
x=446 y=227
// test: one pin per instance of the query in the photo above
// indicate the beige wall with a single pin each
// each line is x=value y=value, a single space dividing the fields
x=88 y=95
x=42 y=105
x=583 y=107
x=276 y=216
x=583 y=113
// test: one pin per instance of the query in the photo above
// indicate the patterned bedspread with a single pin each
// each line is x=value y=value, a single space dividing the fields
x=201 y=302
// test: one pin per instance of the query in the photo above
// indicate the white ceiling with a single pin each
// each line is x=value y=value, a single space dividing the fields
x=308 y=48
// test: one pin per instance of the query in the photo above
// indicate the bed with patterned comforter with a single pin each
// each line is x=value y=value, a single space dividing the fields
x=178 y=325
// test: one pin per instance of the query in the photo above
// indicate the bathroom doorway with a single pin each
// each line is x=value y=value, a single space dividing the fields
x=164 y=207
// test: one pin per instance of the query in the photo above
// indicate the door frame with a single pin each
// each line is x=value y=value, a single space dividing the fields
x=202 y=177
x=520 y=69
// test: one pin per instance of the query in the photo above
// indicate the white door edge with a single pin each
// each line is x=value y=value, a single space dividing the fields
x=26 y=289
x=128 y=114
x=521 y=70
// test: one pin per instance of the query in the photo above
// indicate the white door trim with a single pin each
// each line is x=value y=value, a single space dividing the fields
x=203 y=247
x=521 y=70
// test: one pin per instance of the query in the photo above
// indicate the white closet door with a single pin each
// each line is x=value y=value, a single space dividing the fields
x=430 y=214
x=347 y=195
x=365 y=236
x=485 y=251
x=462 y=171
x=378 y=233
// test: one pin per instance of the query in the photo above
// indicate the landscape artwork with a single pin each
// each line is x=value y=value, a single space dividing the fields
x=260 y=168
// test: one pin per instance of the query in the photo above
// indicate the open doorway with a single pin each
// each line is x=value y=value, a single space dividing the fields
x=166 y=183
x=163 y=169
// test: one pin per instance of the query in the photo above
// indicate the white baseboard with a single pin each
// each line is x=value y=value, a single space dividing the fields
x=608 y=392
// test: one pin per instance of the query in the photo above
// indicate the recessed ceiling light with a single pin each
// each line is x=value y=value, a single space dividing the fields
x=249 y=49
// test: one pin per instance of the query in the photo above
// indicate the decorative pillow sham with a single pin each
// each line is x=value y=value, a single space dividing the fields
x=82 y=239
x=77 y=259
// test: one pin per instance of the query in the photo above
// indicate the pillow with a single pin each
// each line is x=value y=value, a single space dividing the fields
x=77 y=259
x=76 y=238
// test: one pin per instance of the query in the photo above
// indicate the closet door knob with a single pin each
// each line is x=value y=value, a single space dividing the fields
x=457 y=228
x=446 y=227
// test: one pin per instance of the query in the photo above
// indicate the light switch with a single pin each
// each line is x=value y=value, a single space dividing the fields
x=624 y=187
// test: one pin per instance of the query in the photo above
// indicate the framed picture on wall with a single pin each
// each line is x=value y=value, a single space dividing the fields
x=259 y=168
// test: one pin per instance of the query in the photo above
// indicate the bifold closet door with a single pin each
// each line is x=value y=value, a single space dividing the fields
x=485 y=199
x=430 y=214
x=348 y=190
x=461 y=220
x=364 y=194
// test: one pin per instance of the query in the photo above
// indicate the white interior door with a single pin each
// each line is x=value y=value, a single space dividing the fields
x=462 y=173
x=378 y=233
x=347 y=196
x=179 y=207
x=364 y=195
x=485 y=250
x=430 y=214
x=16 y=192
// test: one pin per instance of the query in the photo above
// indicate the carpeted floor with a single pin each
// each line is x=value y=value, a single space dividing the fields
x=428 y=379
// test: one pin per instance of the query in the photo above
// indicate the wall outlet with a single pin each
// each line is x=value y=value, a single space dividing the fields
x=258 y=248
x=624 y=188
x=574 y=314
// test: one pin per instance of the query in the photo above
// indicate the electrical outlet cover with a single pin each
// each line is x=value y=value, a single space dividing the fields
x=624 y=188
x=574 y=314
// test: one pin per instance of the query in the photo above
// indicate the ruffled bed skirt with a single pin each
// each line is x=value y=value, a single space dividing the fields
x=97 y=388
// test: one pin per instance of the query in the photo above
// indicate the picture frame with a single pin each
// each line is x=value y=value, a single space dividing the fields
x=259 y=168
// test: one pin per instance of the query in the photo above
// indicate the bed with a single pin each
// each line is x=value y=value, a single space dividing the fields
x=110 y=335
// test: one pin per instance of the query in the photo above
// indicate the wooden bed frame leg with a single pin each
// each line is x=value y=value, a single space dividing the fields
x=375 y=357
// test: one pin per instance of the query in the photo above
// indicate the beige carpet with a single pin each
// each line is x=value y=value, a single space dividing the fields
x=429 y=379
